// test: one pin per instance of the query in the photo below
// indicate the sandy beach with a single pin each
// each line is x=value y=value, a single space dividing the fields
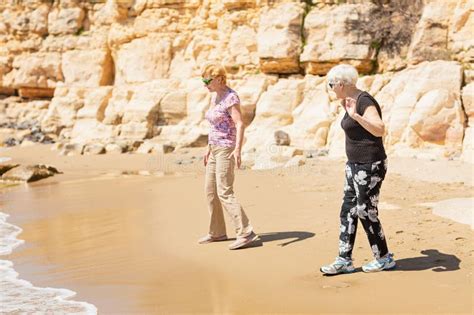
x=121 y=232
x=107 y=106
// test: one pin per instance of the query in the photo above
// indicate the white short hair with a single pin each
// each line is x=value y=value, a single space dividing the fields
x=344 y=73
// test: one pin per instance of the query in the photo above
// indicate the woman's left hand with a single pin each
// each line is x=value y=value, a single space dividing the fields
x=350 y=105
x=236 y=156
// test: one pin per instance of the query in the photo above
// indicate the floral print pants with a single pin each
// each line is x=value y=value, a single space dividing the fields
x=361 y=196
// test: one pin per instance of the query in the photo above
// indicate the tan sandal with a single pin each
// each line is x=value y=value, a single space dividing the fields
x=210 y=239
x=243 y=241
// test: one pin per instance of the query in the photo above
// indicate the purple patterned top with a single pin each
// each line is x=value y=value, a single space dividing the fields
x=223 y=131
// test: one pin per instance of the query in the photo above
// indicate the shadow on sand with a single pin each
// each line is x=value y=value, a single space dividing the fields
x=432 y=259
x=287 y=237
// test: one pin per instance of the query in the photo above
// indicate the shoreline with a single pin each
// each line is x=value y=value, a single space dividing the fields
x=50 y=299
x=127 y=243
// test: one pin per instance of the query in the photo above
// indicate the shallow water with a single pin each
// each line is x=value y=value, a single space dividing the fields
x=20 y=296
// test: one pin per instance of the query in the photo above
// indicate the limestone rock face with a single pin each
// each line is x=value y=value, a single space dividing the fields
x=313 y=116
x=111 y=12
x=430 y=41
x=461 y=42
x=40 y=70
x=300 y=108
x=63 y=109
x=276 y=105
x=336 y=138
x=437 y=118
x=65 y=20
x=279 y=38
x=141 y=112
x=242 y=47
x=468 y=102
x=468 y=146
x=88 y=67
x=250 y=90
x=331 y=40
x=142 y=60
x=27 y=21
x=88 y=126
x=423 y=107
x=118 y=76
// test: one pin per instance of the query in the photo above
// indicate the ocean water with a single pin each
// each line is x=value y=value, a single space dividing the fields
x=18 y=296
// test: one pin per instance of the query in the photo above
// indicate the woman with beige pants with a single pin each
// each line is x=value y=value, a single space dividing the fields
x=222 y=154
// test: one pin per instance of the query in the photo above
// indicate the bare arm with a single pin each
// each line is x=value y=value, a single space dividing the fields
x=239 y=125
x=370 y=120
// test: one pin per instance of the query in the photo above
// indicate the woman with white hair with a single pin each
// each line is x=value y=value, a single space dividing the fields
x=222 y=154
x=364 y=172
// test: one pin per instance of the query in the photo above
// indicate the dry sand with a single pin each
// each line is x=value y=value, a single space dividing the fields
x=127 y=243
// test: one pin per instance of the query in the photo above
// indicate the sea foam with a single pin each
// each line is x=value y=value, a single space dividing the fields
x=20 y=296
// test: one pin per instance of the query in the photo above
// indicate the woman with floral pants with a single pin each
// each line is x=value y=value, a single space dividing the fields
x=361 y=196
x=365 y=170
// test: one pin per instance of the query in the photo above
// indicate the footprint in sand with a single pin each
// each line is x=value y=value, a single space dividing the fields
x=338 y=285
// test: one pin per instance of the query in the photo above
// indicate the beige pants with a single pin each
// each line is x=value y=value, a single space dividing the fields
x=220 y=194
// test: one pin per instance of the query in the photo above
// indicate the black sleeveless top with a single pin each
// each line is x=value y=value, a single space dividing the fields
x=361 y=145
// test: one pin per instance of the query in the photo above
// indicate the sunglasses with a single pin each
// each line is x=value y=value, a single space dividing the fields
x=207 y=81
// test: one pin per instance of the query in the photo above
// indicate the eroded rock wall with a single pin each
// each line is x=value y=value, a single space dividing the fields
x=93 y=75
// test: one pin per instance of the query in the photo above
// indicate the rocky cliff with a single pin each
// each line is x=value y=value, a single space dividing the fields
x=121 y=75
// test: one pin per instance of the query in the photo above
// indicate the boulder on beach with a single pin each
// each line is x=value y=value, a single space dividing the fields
x=6 y=167
x=29 y=173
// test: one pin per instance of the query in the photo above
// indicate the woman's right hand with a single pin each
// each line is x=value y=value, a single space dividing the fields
x=206 y=155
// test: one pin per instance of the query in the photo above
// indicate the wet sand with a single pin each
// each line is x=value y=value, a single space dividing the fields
x=127 y=243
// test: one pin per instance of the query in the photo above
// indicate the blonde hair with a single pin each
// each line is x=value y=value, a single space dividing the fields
x=213 y=70
x=343 y=73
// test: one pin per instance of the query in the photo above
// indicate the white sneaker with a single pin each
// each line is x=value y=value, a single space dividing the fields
x=340 y=265
x=385 y=263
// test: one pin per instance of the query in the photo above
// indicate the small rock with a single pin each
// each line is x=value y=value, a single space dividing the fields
x=10 y=142
x=281 y=138
x=134 y=145
x=145 y=148
x=160 y=148
x=24 y=125
x=200 y=140
x=72 y=149
x=94 y=149
x=130 y=172
x=317 y=152
x=114 y=148
x=57 y=146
